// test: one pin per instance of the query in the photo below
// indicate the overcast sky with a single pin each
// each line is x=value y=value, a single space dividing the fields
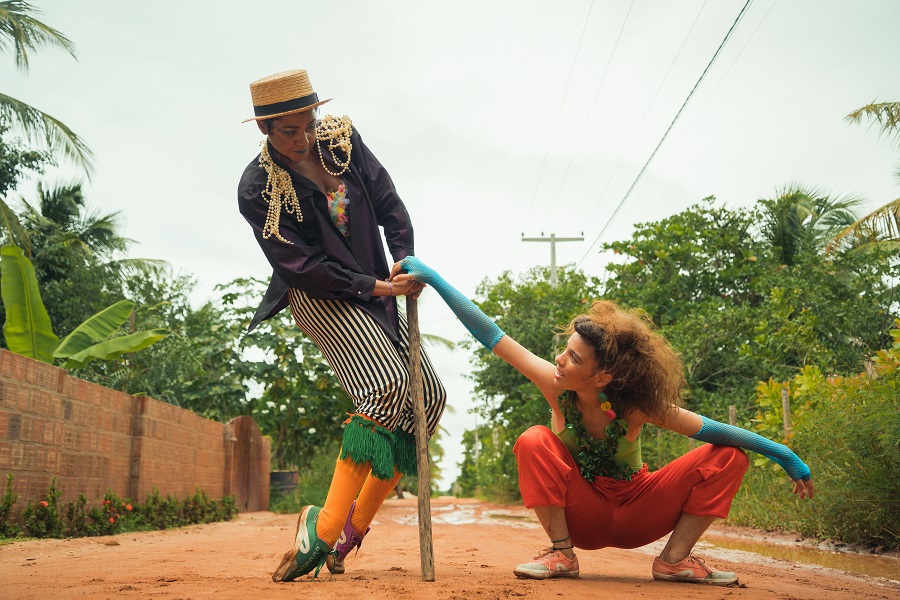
x=494 y=118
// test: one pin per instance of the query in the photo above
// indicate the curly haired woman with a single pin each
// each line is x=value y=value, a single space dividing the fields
x=583 y=476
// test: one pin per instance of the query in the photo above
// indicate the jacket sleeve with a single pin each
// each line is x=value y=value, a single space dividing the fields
x=301 y=263
x=390 y=211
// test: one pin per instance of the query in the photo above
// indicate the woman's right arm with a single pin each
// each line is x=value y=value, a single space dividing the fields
x=535 y=368
x=538 y=370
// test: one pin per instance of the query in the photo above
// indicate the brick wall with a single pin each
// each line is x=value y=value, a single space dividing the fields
x=94 y=439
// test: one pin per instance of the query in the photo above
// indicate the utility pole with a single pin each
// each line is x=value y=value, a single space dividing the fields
x=553 y=240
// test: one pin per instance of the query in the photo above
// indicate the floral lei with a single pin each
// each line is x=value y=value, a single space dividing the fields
x=597 y=457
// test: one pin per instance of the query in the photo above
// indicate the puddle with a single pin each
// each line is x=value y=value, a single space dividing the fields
x=464 y=515
x=726 y=547
x=872 y=565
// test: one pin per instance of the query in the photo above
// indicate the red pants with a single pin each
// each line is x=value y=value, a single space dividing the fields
x=626 y=514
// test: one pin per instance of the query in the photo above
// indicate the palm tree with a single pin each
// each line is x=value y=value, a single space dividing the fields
x=76 y=254
x=66 y=236
x=21 y=32
x=880 y=227
x=11 y=230
x=885 y=114
x=800 y=219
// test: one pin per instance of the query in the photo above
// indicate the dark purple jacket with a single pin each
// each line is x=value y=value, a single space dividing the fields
x=321 y=261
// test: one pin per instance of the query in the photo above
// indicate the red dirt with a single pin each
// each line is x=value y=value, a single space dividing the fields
x=476 y=545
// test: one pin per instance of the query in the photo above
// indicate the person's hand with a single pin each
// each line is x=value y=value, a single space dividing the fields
x=404 y=285
x=413 y=268
x=803 y=487
x=398 y=276
x=415 y=290
x=396 y=270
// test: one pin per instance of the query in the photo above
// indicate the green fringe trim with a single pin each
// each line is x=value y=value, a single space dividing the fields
x=404 y=446
x=365 y=441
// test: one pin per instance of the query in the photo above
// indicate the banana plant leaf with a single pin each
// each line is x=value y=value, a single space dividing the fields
x=115 y=347
x=27 y=328
x=96 y=328
x=10 y=222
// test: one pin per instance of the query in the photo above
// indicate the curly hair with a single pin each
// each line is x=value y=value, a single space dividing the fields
x=647 y=373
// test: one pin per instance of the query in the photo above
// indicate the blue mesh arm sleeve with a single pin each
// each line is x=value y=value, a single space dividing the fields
x=478 y=323
x=728 y=435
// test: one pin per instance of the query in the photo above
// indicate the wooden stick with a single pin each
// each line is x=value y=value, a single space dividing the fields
x=426 y=550
x=786 y=411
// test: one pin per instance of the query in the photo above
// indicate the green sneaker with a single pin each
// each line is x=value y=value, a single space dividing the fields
x=308 y=553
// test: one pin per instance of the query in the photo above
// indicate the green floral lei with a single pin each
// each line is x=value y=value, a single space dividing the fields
x=597 y=457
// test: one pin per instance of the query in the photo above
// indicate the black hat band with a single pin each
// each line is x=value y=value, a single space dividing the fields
x=287 y=106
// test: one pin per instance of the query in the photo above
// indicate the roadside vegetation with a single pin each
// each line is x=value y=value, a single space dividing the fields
x=47 y=517
x=749 y=319
x=796 y=293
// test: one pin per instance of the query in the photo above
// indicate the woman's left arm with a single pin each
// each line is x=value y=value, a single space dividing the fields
x=706 y=430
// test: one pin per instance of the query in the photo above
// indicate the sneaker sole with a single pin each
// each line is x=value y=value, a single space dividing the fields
x=333 y=566
x=289 y=560
x=522 y=574
x=705 y=581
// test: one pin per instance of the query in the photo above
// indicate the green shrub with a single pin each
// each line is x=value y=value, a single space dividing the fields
x=158 y=512
x=8 y=529
x=848 y=431
x=852 y=440
x=77 y=518
x=42 y=518
x=114 y=514
x=165 y=513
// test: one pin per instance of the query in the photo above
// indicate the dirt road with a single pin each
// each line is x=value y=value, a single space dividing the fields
x=476 y=545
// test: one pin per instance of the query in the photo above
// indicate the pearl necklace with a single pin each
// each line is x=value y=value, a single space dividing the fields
x=279 y=191
x=336 y=131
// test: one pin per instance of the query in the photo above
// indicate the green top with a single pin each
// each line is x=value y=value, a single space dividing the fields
x=613 y=456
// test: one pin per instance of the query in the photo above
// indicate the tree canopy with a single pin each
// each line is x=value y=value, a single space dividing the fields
x=21 y=32
x=715 y=282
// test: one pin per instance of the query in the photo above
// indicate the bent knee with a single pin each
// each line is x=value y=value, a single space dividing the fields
x=733 y=458
x=533 y=439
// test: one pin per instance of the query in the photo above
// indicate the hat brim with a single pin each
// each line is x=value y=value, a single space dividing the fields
x=290 y=112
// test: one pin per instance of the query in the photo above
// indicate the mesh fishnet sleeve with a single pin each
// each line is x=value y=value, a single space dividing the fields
x=728 y=435
x=478 y=323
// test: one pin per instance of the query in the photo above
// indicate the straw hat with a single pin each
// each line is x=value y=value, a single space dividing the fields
x=282 y=94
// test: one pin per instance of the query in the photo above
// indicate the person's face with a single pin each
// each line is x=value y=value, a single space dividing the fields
x=576 y=368
x=293 y=136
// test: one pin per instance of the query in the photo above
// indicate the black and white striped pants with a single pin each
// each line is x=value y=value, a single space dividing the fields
x=373 y=370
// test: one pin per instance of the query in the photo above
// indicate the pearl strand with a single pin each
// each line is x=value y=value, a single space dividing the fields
x=336 y=131
x=279 y=191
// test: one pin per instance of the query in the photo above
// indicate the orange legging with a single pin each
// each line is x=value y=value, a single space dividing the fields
x=626 y=514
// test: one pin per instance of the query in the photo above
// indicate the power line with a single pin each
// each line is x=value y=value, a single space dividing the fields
x=558 y=112
x=672 y=124
x=591 y=109
x=731 y=66
x=644 y=117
